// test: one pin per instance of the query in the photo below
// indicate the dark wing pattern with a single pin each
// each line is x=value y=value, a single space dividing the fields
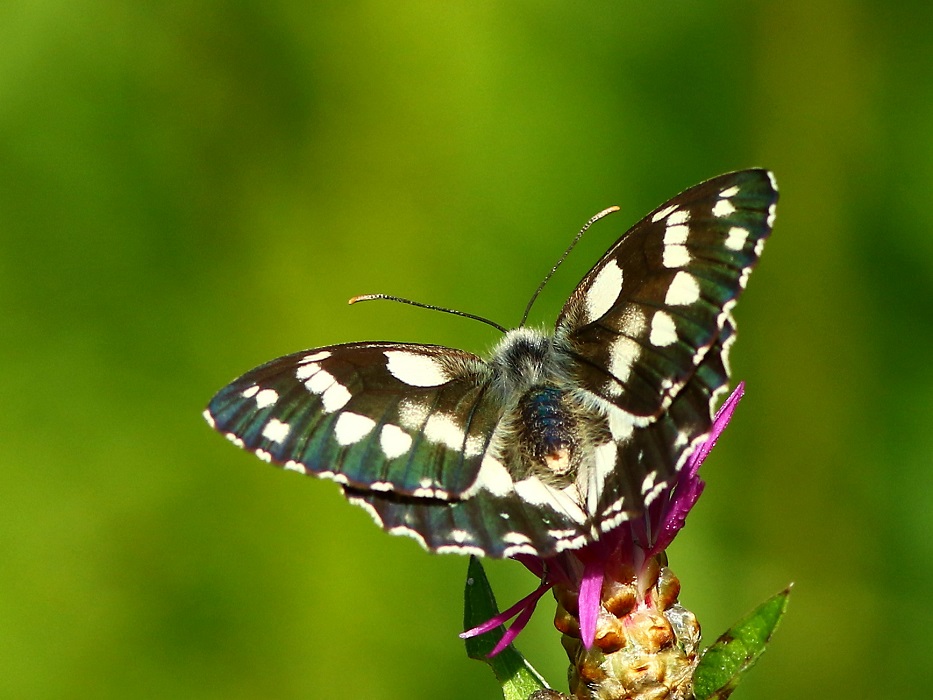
x=420 y=435
x=405 y=430
x=413 y=419
x=649 y=311
x=649 y=329
x=648 y=459
x=485 y=524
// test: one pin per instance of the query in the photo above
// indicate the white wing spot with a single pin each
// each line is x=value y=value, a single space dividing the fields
x=368 y=507
x=474 y=446
x=250 y=392
x=413 y=414
x=275 y=430
x=264 y=456
x=684 y=290
x=621 y=425
x=561 y=534
x=335 y=397
x=648 y=483
x=537 y=493
x=415 y=369
x=315 y=357
x=461 y=536
x=306 y=370
x=293 y=466
x=675 y=252
x=772 y=212
x=675 y=256
x=622 y=356
x=493 y=477
x=350 y=427
x=394 y=441
x=678 y=217
x=658 y=215
x=442 y=429
x=729 y=192
x=736 y=238
x=516 y=538
x=430 y=493
x=266 y=398
x=604 y=463
x=408 y=532
x=656 y=491
x=663 y=330
x=319 y=382
x=604 y=291
x=209 y=418
x=676 y=235
x=723 y=208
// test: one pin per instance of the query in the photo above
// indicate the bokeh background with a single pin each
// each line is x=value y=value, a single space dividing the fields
x=188 y=189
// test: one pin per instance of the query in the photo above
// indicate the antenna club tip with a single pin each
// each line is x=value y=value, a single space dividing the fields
x=359 y=297
x=607 y=211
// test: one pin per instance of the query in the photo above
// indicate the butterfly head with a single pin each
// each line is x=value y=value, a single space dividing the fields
x=523 y=359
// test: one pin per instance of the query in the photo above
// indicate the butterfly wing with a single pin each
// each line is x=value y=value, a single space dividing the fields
x=484 y=523
x=648 y=312
x=648 y=456
x=649 y=329
x=406 y=430
x=414 y=419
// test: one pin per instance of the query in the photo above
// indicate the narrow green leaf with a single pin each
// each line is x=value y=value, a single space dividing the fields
x=736 y=651
x=518 y=679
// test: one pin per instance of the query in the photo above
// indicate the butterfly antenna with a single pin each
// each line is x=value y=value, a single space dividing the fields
x=593 y=220
x=389 y=297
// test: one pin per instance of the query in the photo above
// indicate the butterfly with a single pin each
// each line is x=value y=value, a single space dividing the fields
x=553 y=438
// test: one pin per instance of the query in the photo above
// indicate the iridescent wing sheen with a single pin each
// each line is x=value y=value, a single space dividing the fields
x=649 y=311
x=412 y=419
x=404 y=429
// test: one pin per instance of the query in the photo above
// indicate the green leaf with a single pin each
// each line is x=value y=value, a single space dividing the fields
x=517 y=677
x=736 y=651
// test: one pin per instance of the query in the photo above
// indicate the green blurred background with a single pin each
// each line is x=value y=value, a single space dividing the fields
x=190 y=189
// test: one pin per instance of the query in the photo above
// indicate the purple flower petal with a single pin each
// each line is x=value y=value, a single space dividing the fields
x=588 y=600
x=516 y=628
x=723 y=416
x=689 y=485
x=523 y=606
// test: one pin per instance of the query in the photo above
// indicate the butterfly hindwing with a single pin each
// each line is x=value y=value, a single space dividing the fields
x=647 y=313
x=412 y=419
x=649 y=459
x=485 y=523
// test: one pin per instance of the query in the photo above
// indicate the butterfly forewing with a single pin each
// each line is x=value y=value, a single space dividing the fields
x=645 y=316
x=413 y=419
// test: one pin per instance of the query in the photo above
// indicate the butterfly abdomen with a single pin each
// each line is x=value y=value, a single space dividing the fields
x=548 y=429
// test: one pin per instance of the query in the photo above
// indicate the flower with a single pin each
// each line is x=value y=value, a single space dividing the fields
x=622 y=572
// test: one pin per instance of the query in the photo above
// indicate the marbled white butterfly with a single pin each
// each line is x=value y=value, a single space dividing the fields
x=553 y=438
